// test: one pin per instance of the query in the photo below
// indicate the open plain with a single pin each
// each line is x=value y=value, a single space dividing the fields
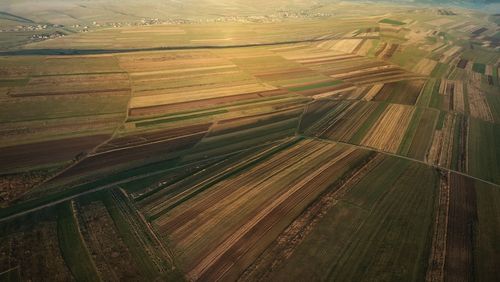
x=306 y=143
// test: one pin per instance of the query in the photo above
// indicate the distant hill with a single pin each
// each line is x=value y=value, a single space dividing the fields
x=85 y=12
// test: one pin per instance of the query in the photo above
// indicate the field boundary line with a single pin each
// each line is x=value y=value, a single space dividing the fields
x=79 y=52
x=11 y=269
x=404 y=157
x=144 y=144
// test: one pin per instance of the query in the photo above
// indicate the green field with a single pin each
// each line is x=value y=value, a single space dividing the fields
x=393 y=22
x=376 y=238
x=488 y=245
x=477 y=67
x=73 y=248
x=484 y=150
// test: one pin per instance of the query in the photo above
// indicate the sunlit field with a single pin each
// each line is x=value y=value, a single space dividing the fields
x=234 y=141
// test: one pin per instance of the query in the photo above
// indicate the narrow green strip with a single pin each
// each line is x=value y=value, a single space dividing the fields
x=73 y=249
x=316 y=85
x=179 y=118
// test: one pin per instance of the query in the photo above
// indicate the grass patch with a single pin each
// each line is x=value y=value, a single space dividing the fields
x=478 y=67
x=393 y=22
x=394 y=241
x=487 y=245
x=373 y=48
x=425 y=97
x=440 y=70
x=440 y=121
x=484 y=150
x=409 y=57
x=13 y=82
x=56 y=108
x=316 y=85
x=436 y=99
x=495 y=76
x=73 y=249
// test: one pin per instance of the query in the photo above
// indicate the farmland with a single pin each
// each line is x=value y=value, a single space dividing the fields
x=369 y=219
x=307 y=143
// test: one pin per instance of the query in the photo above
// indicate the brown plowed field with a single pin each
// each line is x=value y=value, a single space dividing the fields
x=46 y=152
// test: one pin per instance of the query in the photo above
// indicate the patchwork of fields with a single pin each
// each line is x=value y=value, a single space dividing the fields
x=369 y=153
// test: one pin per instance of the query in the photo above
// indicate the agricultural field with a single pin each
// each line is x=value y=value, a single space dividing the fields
x=383 y=193
x=95 y=238
x=287 y=142
x=71 y=111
